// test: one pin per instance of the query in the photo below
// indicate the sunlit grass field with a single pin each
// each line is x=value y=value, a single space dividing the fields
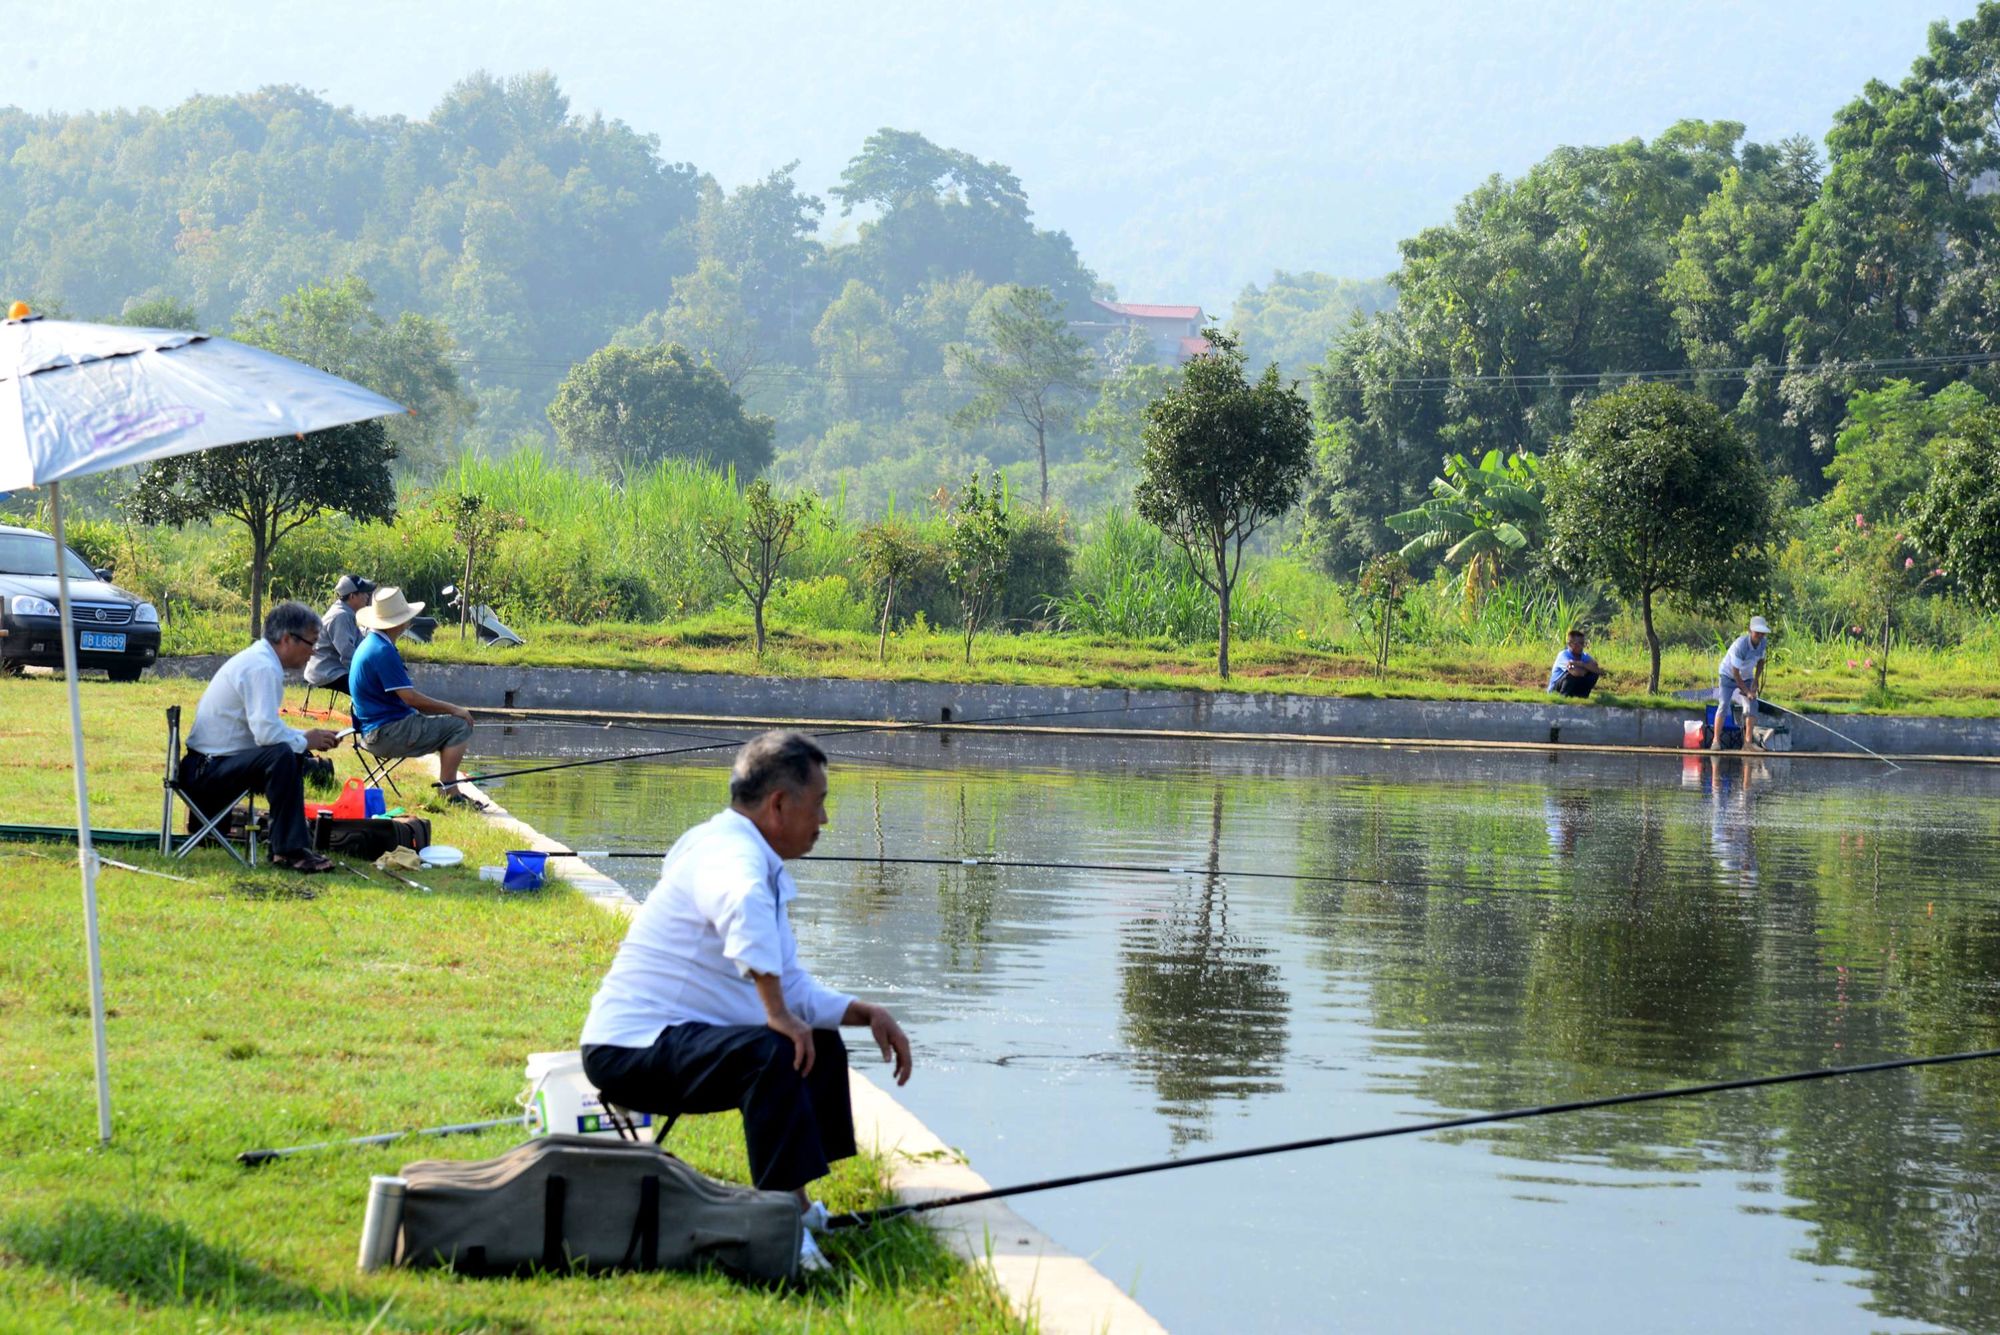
x=250 y=1010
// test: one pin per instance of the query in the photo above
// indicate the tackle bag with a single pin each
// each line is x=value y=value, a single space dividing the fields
x=561 y=1202
x=371 y=838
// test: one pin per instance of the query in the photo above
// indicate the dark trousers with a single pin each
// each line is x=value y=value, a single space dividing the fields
x=1578 y=684
x=793 y=1126
x=277 y=770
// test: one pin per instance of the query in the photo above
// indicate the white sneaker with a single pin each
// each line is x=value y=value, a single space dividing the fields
x=815 y=1217
x=811 y=1258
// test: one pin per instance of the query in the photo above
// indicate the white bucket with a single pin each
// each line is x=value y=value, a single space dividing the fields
x=560 y=1099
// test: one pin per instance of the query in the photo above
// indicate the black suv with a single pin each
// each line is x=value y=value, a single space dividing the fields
x=114 y=630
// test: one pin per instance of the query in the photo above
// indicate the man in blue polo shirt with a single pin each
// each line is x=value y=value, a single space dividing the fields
x=1574 y=672
x=393 y=717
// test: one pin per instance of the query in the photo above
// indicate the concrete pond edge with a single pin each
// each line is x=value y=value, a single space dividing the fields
x=1552 y=725
x=1061 y=1292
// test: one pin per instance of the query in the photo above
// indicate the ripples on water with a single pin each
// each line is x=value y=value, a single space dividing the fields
x=1583 y=927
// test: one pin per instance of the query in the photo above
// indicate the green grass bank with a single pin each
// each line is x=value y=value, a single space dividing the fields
x=1956 y=682
x=260 y=1009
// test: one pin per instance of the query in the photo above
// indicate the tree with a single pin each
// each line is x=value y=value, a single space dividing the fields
x=1655 y=495
x=474 y=524
x=628 y=408
x=1888 y=443
x=1956 y=518
x=1026 y=364
x=271 y=487
x=1482 y=517
x=334 y=325
x=1879 y=575
x=975 y=559
x=707 y=316
x=764 y=234
x=1296 y=318
x=1223 y=456
x=891 y=553
x=857 y=348
x=752 y=553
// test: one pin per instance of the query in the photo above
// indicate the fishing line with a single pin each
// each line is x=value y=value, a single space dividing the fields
x=1843 y=736
x=864 y=1218
x=832 y=732
x=1222 y=873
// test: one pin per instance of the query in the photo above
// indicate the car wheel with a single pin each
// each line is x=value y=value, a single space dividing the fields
x=125 y=674
x=12 y=667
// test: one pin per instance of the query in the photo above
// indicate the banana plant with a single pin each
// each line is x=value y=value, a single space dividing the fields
x=1478 y=517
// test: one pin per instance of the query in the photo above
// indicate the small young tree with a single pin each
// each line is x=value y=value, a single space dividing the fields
x=475 y=523
x=891 y=552
x=1879 y=575
x=272 y=487
x=976 y=553
x=1026 y=364
x=1223 y=456
x=1656 y=495
x=1381 y=587
x=753 y=551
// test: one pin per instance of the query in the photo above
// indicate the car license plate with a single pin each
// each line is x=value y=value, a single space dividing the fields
x=109 y=641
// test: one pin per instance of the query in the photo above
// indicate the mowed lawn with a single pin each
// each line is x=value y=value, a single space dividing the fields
x=262 y=1009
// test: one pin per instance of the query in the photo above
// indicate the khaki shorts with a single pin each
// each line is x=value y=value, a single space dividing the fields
x=417 y=735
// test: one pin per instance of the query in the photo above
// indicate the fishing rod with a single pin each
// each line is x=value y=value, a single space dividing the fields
x=252 y=1158
x=865 y=1218
x=1836 y=732
x=1019 y=864
x=831 y=732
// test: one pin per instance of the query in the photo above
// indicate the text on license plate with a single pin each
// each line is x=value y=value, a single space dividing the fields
x=112 y=641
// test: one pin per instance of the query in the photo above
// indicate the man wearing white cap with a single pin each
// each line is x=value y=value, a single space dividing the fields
x=339 y=635
x=1740 y=672
x=393 y=717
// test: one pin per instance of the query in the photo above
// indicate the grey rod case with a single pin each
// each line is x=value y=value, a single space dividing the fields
x=583 y=1203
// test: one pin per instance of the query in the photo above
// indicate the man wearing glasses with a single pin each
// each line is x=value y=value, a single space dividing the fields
x=238 y=741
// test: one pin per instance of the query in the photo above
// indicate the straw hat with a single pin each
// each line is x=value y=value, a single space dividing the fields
x=388 y=610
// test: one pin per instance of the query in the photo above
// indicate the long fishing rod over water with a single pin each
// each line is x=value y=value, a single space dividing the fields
x=831 y=732
x=864 y=1218
x=1806 y=718
x=1131 y=868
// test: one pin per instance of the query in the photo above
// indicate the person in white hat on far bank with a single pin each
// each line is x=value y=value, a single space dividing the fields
x=1741 y=672
x=393 y=717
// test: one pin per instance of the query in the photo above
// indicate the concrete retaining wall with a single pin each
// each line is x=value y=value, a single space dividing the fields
x=601 y=690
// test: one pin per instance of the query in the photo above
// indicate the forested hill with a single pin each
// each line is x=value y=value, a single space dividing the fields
x=510 y=238
x=533 y=233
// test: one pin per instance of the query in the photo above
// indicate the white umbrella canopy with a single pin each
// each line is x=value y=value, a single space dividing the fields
x=77 y=399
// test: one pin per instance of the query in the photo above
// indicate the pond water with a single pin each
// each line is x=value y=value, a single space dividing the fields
x=1513 y=929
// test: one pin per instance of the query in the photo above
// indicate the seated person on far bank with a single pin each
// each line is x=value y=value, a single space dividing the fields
x=707 y=1006
x=393 y=717
x=238 y=741
x=339 y=635
x=1575 y=671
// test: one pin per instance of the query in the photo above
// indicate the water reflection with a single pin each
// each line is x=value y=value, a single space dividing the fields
x=1511 y=932
x=1204 y=1009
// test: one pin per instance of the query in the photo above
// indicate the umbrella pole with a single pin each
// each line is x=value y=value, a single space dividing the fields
x=86 y=855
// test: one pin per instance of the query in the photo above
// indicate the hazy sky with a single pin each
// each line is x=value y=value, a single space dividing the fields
x=1186 y=148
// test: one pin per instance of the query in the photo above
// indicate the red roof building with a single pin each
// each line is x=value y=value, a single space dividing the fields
x=1175 y=330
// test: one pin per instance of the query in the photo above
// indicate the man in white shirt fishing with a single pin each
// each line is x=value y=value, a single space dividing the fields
x=238 y=741
x=707 y=1007
x=1741 y=672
